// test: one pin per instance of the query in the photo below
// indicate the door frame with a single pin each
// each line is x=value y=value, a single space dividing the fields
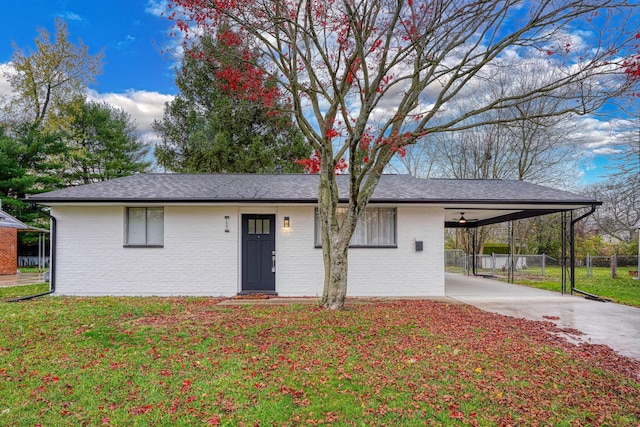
x=244 y=238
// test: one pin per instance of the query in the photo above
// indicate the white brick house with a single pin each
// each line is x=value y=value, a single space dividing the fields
x=220 y=235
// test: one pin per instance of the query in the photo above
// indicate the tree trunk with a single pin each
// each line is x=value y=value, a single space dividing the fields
x=336 y=234
x=336 y=267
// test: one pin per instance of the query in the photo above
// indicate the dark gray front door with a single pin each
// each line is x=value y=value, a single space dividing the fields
x=258 y=253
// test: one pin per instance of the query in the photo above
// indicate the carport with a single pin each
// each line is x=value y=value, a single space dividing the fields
x=510 y=205
x=9 y=227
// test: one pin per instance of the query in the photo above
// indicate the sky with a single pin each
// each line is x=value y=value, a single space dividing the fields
x=138 y=69
x=138 y=73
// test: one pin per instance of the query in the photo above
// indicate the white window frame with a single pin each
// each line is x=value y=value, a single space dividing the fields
x=371 y=237
x=153 y=231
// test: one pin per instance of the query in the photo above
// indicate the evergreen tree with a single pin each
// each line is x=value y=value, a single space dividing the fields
x=30 y=162
x=101 y=143
x=206 y=128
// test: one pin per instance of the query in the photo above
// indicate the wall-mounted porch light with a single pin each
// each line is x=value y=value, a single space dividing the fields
x=226 y=223
x=286 y=222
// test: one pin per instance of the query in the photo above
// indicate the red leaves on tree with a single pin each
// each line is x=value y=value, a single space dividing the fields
x=397 y=142
x=631 y=66
x=312 y=164
x=341 y=166
x=238 y=73
x=247 y=83
x=332 y=133
x=353 y=70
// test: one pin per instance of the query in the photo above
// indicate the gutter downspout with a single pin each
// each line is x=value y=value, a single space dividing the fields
x=52 y=264
x=573 y=258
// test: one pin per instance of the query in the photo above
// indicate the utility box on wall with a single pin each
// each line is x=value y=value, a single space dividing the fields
x=419 y=246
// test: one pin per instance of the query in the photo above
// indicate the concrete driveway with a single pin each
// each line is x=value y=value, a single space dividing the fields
x=21 y=279
x=614 y=325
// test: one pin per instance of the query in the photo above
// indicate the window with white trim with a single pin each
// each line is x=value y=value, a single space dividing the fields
x=144 y=227
x=376 y=228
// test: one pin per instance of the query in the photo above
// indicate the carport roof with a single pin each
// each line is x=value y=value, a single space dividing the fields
x=482 y=201
x=8 y=221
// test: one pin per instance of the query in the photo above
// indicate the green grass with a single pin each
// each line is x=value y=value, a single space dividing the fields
x=22 y=291
x=32 y=270
x=188 y=361
x=623 y=289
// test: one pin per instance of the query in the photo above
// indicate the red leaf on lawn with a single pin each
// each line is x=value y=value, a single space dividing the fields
x=142 y=410
x=214 y=421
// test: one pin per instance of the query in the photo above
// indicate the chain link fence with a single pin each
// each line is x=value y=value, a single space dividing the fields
x=535 y=266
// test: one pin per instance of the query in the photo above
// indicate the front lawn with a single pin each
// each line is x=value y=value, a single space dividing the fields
x=22 y=291
x=188 y=361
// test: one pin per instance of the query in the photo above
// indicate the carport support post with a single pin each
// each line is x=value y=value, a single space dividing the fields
x=563 y=256
x=473 y=251
x=572 y=244
x=511 y=260
x=638 y=270
x=572 y=253
x=466 y=258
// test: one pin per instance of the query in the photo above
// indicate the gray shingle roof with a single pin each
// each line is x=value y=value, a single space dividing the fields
x=8 y=221
x=302 y=188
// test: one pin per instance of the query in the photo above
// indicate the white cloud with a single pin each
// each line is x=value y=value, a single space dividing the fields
x=71 y=16
x=593 y=133
x=5 y=88
x=607 y=150
x=144 y=107
x=157 y=7
x=174 y=45
x=126 y=42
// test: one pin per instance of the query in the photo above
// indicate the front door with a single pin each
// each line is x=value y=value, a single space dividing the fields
x=258 y=253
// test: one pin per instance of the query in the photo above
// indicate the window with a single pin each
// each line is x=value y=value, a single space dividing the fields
x=376 y=228
x=144 y=227
x=259 y=226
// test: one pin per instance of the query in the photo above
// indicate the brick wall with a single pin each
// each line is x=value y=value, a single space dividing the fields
x=200 y=258
x=400 y=271
x=8 y=250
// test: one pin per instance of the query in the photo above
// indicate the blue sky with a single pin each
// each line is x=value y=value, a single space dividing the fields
x=131 y=36
x=139 y=78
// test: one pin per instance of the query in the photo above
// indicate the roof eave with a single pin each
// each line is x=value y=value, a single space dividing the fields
x=438 y=202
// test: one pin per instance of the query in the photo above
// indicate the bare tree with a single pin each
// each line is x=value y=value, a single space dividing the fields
x=367 y=78
x=620 y=210
x=525 y=142
x=52 y=75
x=419 y=160
x=620 y=192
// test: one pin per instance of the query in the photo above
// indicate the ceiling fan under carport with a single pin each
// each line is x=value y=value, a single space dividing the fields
x=463 y=220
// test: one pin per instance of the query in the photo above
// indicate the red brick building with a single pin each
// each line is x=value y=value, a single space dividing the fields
x=8 y=250
x=9 y=227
